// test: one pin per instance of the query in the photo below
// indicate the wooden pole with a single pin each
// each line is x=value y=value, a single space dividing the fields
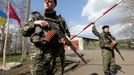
x=5 y=44
x=23 y=39
x=28 y=10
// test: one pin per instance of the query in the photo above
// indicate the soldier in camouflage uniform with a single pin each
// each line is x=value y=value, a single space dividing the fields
x=48 y=56
x=107 y=52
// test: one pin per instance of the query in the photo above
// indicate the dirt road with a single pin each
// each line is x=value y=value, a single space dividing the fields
x=94 y=66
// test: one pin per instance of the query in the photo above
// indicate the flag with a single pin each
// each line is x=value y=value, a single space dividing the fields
x=12 y=14
x=3 y=18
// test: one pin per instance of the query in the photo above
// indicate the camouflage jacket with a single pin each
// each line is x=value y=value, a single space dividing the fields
x=103 y=38
x=30 y=31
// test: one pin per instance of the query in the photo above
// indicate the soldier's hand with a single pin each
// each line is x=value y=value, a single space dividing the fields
x=41 y=23
x=113 y=44
x=62 y=41
x=93 y=23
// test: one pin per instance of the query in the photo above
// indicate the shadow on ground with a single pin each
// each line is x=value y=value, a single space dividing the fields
x=118 y=68
x=94 y=74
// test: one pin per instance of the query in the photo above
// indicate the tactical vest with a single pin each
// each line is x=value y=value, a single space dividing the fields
x=43 y=36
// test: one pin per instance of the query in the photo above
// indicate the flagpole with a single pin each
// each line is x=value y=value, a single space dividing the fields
x=5 y=44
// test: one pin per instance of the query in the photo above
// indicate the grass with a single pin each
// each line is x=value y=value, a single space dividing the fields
x=11 y=58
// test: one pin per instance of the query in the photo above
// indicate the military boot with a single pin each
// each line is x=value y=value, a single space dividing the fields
x=107 y=73
x=112 y=73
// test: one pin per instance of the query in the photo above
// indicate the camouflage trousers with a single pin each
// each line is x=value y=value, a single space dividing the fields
x=50 y=62
x=108 y=60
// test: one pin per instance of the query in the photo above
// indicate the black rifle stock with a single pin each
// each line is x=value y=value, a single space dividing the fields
x=119 y=53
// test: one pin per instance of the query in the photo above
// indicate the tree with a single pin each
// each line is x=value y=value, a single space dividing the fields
x=3 y=7
x=20 y=8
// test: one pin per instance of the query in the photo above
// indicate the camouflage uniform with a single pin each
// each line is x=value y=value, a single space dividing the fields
x=48 y=57
x=107 y=53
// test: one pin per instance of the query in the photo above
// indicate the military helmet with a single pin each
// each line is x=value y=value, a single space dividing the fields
x=105 y=26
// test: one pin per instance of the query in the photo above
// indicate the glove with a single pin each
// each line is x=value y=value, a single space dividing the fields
x=93 y=23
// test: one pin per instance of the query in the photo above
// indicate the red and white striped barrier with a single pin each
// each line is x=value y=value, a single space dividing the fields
x=98 y=18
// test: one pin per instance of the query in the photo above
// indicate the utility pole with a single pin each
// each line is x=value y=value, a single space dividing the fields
x=24 y=51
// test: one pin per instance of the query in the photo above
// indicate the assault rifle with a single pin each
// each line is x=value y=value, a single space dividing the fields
x=54 y=29
x=114 y=46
